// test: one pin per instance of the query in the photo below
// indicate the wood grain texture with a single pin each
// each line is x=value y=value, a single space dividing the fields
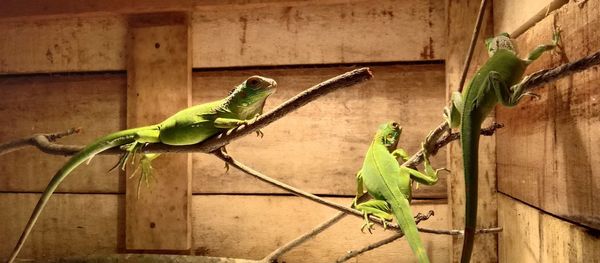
x=71 y=225
x=259 y=224
x=42 y=104
x=224 y=226
x=15 y=9
x=320 y=147
x=159 y=84
x=461 y=18
x=63 y=44
x=515 y=17
x=551 y=161
x=320 y=32
x=234 y=34
x=531 y=235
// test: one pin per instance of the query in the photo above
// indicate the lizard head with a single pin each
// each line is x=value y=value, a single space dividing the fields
x=257 y=88
x=249 y=97
x=501 y=41
x=389 y=134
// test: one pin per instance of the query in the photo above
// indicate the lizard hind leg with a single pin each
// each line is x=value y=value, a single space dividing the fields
x=130 y=152
x=379 y=209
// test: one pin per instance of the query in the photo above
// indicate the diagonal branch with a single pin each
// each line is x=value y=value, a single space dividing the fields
x=341 y=81
x=44 y=142
x=390 y=239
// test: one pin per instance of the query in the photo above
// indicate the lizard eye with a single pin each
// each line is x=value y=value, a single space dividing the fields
x=252 y=81
x=395 y=125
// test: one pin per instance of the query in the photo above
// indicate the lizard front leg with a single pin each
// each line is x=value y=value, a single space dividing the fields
x=400 y=153
x=232 y=123
x=429 y=176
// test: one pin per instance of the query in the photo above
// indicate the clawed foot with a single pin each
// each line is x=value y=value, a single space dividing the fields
x=534 y=96
x=367 y=224
x=130 y=152
x=224 y=153
x=146 y=175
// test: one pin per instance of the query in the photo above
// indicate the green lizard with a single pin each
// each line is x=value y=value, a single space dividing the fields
x=189 y=126
x=390 y=184
x=497 y=81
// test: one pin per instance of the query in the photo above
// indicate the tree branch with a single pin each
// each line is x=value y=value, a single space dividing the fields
x=390 y=239
x=44 y=142
x=341 y=81
x=548 y=75
x=463 y=75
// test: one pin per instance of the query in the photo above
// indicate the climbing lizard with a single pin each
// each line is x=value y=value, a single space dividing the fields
x=391 y=185
x=497 y=81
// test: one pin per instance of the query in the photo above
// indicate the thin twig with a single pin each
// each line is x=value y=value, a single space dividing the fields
x=240 y=166
x=44 y=142
x=296 y=242
x=398 y=235
x=476 y=30
x=354 y=253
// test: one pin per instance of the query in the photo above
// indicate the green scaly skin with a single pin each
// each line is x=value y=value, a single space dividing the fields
x=189 y=126
x=390 y=184
x=497 y=81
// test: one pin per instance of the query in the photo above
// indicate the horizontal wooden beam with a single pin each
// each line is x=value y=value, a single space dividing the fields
x=285 y=33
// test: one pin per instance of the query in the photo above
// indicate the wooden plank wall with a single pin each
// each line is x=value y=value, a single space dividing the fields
x=232 y=215
x=287 y=32
x=548 y=167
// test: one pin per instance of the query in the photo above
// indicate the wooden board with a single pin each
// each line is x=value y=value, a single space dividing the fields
x=63 y=44
x=459 y=36
x=159 y=84
x=320 y=147
x=42 y=104
x=15 y=9
x=271 y=33
x=71 y=225
x=231 y=226
x=319 y=32
x=551 y=161
x=256 y=225
x=531 y=235
x=515 y=16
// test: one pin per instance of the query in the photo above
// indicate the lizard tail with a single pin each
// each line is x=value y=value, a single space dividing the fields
x=100 y=145
x=403 y=214
x=470 y=147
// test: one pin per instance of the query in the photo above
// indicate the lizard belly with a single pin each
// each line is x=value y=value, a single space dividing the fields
x=187 y=133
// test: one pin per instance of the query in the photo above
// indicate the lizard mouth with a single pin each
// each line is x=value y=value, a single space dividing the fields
x=272 y=87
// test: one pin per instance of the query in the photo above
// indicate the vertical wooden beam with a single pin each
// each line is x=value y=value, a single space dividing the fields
x=461 y=16
x=159 y=84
